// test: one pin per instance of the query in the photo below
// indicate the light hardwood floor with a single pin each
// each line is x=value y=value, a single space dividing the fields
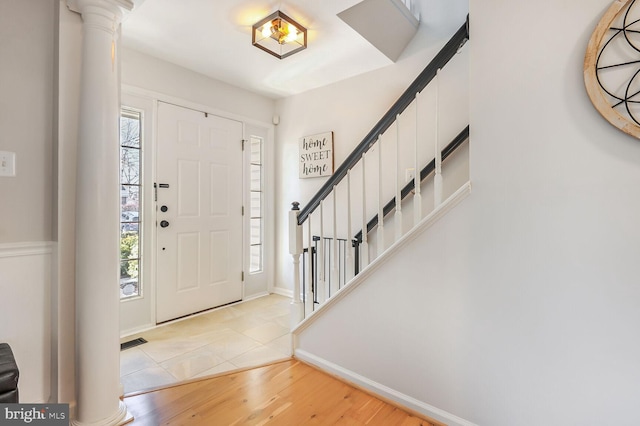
x=285 y=393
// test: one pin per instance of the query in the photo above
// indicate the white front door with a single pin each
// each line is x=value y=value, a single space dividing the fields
x=199 y=216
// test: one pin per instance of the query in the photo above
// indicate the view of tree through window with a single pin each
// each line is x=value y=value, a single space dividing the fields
x=130 y=203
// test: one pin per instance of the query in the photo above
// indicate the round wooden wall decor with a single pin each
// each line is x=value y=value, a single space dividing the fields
x=612 y=66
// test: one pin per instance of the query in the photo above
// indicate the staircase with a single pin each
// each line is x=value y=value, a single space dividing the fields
x=404 y=174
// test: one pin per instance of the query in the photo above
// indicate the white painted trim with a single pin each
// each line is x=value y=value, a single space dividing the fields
x=113 y=6
x=283 y=292
x=382 y=390
x=407 y=13
x=120 y=417
x=265 y=276
x=423 y=225
x=132 y=310
x=137 y=330
x=174 y=100
x=26 y=248
x=256 y=296
x=156 y=97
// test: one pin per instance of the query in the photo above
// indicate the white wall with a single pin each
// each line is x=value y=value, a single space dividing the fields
x=350 y=109
x=26 y=114
x=25 y=283
x=520 y=307
x=147 y=80
x=26 y=124
x=145 y=72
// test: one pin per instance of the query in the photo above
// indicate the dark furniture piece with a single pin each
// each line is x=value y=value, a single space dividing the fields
x=8 y=375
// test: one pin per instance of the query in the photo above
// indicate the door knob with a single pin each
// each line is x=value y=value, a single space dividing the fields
x=164 y=224
x=164 y=209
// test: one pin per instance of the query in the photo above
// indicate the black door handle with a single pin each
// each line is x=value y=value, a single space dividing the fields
x=164 y=224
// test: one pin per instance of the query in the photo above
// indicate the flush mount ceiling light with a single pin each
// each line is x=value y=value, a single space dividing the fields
x=279 y=35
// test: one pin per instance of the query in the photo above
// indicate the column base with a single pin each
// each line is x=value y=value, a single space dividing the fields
x=121 y=417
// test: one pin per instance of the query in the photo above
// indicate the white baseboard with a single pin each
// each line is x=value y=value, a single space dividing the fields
x=283 y=292
x=136 y=330
x=382 y=390
x=255 y=296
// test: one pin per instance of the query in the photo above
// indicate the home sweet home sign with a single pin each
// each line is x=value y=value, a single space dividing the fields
x=316 y=155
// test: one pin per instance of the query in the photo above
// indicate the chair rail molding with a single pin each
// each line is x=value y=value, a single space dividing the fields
x=31 y=248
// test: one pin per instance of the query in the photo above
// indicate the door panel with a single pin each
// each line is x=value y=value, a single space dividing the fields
x=188 y=260
x=200 y=251
x=220 y=191
x=188 y=188
x=219 y=257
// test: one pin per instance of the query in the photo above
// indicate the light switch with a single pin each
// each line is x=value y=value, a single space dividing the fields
x=7 y=163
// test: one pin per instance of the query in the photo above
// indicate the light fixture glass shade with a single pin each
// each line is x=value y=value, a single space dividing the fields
x=279 y=35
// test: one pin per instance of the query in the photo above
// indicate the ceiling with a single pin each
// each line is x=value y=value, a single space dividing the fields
x=213 y=37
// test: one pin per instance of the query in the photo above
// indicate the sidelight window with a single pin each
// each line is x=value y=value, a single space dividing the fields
x=130 y=203
x=256 y=205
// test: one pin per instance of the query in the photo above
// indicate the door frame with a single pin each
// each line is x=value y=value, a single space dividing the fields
x=265 y=279
x=135 y=313
x=135 y=319
x=207 y=168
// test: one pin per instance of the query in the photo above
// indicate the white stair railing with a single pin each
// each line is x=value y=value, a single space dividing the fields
x=326 y=265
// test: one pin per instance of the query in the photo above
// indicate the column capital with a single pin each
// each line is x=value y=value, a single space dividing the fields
x=114 y=9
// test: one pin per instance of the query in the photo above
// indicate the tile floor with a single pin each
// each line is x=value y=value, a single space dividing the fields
x=243 y=335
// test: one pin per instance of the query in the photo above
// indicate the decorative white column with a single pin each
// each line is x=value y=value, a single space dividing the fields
x=97 y=207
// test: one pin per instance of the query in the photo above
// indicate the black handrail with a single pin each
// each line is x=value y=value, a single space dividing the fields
x=428 y=169
x=425 y=77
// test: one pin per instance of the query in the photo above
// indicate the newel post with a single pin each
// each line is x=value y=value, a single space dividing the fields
x=295 y=248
